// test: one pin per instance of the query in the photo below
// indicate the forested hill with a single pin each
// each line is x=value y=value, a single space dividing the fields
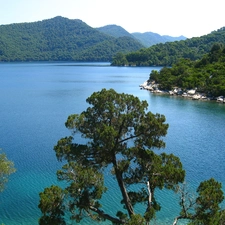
x=147 y=39
x=60 y=39
x=206 y=75
x=171 y=52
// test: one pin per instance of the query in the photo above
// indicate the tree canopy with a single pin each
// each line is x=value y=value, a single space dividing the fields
x=119 y=133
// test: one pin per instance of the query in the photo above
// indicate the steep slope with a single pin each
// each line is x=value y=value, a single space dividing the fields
x=149 y=38
x=57 y=39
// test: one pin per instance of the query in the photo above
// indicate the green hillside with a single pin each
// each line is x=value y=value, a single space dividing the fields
x=171 y=52
x=206 y=75
x=60 y=39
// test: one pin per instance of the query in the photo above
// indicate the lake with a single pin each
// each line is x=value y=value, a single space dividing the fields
x=37 y=98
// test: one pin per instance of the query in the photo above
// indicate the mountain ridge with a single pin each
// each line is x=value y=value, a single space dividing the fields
x=63 y=39
x=151 y=38
x=147 y=38
x=60 y=39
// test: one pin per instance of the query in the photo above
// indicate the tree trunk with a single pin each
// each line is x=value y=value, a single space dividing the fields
x=124 y=192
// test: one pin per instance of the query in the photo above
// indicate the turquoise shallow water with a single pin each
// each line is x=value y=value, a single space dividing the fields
x=35 y=100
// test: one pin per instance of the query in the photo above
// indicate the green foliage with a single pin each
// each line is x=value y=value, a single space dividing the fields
x=6 y=168
x=204 y=209
x=119 y=60
x=136 y=219
x=210 y=196
x=60 y=39
x=207 y=209
x=51 y=205
x=170 y=53
x=206 y=74
x=120 y=134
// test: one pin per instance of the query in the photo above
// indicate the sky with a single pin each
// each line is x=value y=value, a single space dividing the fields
x=190 y=18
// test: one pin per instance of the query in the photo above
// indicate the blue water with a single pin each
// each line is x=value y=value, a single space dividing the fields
x=35 y=101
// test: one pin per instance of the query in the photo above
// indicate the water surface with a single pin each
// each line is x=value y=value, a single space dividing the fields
x=36 y=99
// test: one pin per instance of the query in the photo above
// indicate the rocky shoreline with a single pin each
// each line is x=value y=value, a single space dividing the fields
x=191 y=94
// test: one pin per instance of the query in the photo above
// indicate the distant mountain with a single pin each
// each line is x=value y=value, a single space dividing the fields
x=170 y=53
x=115 y=31
x=171 y=39
x=60 y=39
x=149 y=38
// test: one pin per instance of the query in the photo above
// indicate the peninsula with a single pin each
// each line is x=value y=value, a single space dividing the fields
x=200 y=79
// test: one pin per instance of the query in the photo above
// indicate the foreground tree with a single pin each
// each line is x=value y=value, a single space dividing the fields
x=6 y=168
x=120 y=134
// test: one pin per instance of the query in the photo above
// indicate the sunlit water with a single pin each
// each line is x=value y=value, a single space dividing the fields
x=35 y=101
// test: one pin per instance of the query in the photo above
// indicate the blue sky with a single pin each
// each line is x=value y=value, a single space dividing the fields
x=191 y=18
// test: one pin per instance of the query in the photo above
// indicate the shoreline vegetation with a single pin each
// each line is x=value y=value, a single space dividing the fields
x=176 y=91
x=202 y=79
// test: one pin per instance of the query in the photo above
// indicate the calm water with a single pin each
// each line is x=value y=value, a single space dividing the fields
x=35 y=101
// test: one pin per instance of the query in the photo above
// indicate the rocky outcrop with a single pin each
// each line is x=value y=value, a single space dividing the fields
x=192 y=93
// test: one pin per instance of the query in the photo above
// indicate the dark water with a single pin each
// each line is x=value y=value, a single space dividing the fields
x=35 y=101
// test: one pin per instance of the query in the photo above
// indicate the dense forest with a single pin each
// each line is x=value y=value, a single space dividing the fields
x=207 y=75
x=60 y=39
x=171 y=52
